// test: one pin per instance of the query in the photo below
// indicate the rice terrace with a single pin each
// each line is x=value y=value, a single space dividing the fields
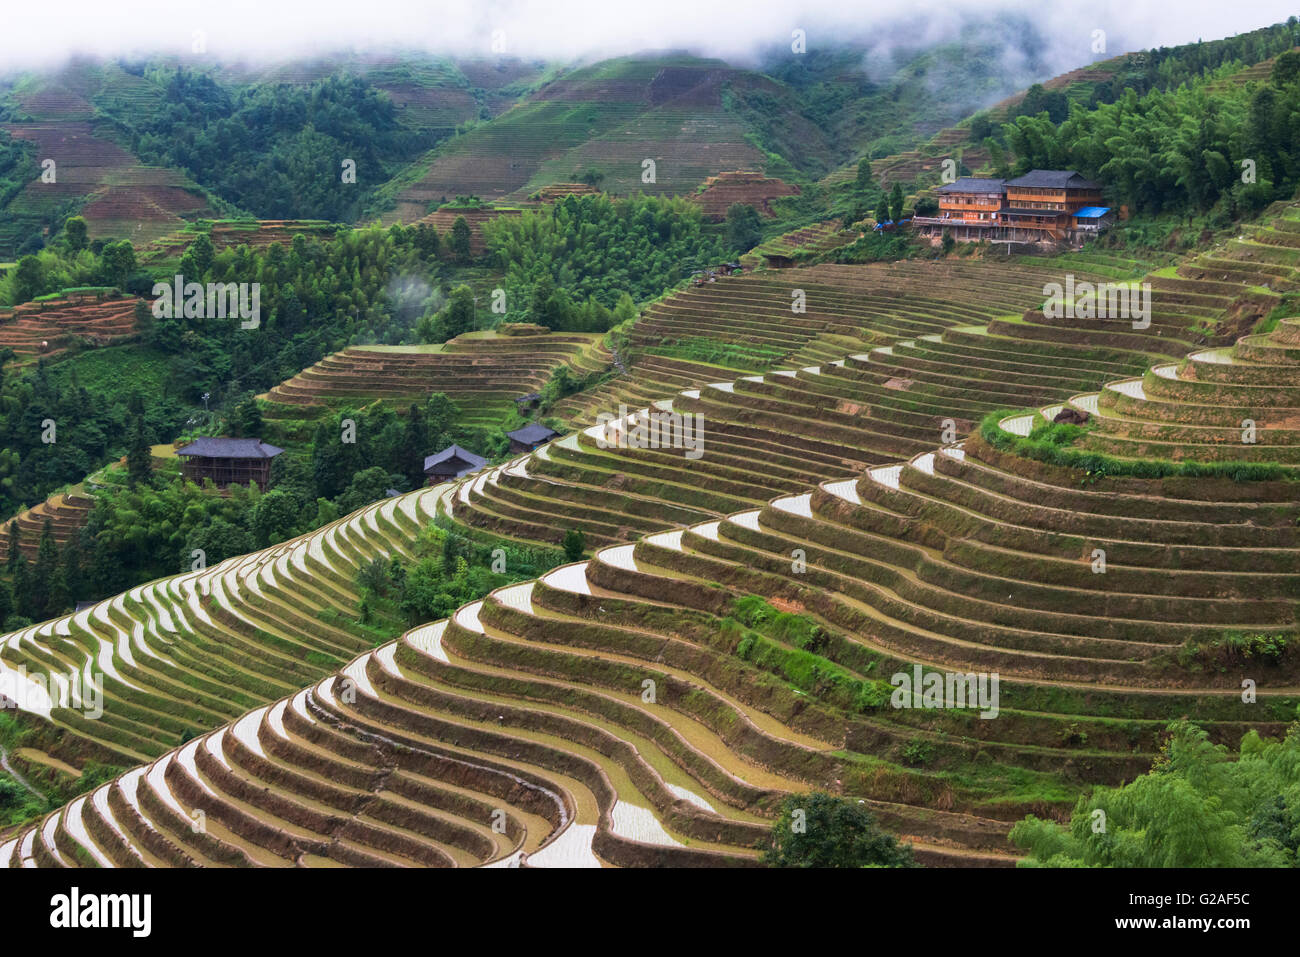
x=850 y=439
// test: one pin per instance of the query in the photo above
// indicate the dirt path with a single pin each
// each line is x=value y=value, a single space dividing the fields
x=4 y=763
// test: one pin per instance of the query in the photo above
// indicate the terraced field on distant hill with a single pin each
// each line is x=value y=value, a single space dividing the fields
x=811 y=240
x=49 y=326
x=721 y=192
x=67 y=512
x=444 y=219
x=256 y=234
x=482 y=372
x=923 y=164
x=608 y=118
x=731 y=638
x=118 y=195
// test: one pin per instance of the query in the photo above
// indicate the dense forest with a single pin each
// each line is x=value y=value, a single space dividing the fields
x=277 y=151
x=1200 y=806
x=17 y=167
x=568 y=266
x=1170 y=132
x=316 y=297
x=1184 y=151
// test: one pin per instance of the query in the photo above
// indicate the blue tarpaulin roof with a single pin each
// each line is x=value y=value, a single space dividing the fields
x=1092 y=212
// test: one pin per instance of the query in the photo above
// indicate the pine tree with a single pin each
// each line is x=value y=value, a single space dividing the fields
x=459 y=316
x=7 y=606
x=575 y=542
x=74 y=231
x=139 y=456
x=59 y=599
x=460 y=247
x=22 y=575
x=415 y=446
x=864 y=174
x=744 y=230
x=896 y=202
x=74 y=572
x=15 y=552
x=246 y=420
x=200 y=255
x=47 y=563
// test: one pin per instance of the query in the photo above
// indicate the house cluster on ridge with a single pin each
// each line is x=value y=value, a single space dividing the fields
x=1045 y=206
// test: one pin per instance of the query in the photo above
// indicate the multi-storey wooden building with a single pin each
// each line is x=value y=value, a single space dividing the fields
x=1043 y=206
x=968 y=208
x=1042 y=203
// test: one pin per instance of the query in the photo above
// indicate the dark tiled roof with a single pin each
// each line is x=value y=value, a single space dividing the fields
x=529 y=397
x=533 y=432
x=1053 y=179
x=467 y=458
x=973 y=184
x=221 y=448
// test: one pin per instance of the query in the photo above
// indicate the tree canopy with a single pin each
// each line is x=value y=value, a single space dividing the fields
x=1197 y=807
x=821 y=830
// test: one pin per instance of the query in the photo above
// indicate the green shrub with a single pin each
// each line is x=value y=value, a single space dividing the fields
x=1234 y=648
x=820 y=830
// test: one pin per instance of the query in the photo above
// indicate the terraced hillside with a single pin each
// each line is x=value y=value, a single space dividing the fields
x=558 y=191
x=786 y=429
x=607 y=118
x=430 y=92
x=748 y=188
x=808 y=241
x=1264 y=259
x=746 y=323
x=49 y=326
x=831 y=534
x=1228 y=405
x=483 y=373
x=444 y=218
x=256 y=234
x=1256 y=73
x=118 y=196
x=181 y=655
x=68 y=512
x=922 y=165
x=633 y=709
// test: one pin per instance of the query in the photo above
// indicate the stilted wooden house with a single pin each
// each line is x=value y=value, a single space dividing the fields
x=228 y=461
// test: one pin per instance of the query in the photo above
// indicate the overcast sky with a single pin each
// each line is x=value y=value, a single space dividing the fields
x=35 y=33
